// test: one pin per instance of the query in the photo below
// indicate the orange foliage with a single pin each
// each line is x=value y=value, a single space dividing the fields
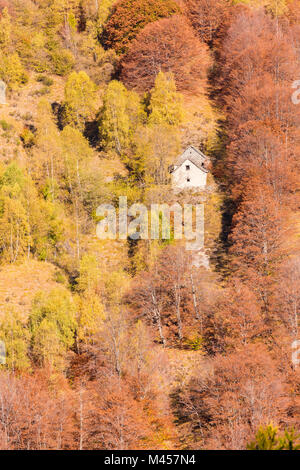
x=169 y=45
x=129 y=17
x=208 y=18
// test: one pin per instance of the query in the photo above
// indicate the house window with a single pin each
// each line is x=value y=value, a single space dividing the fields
x=187 y=167
x=188 y=180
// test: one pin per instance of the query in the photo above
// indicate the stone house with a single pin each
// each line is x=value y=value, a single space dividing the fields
x=190 y=170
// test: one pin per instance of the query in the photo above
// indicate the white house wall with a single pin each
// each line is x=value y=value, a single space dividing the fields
x=196 y=175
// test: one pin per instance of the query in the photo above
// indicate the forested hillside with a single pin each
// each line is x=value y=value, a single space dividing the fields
x=127 y=344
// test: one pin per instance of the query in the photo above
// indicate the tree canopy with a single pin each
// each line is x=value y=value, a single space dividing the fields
x=129 y=17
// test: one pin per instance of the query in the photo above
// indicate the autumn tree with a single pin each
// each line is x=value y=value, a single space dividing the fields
x=119 y=117
x=260 y=117
x=117 y=421
x=48 y=148
x=52 y=325
x=154 y=149
x=12 y=70
x=33 y=417
x=244 y=390
x=237 y=320
x=285 y=300
x=14 y=334
x=184 y=55
x=163 y=296
x=129 y=17
x=258 y=237
x=90 y=314
x=275 y=7
x=207 y=17
x=156 y=144
x=260 y=113
x=104 y=10
x=77 y=154
x=267 y=438
x=166 y=104
x=15 y=232
x=80 y=95
x=5 y=30
x=148 y=300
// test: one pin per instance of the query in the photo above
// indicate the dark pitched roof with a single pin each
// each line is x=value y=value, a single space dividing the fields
x=193 y=155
